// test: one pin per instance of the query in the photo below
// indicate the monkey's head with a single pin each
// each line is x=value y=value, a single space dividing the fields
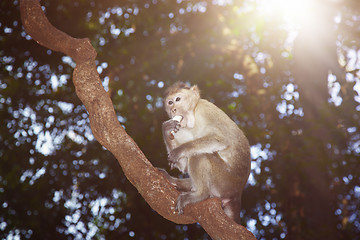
x=181 y=99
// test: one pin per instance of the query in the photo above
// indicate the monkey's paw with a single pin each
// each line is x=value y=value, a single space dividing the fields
x=181 y=202
x=171 y=126
x=175 y=156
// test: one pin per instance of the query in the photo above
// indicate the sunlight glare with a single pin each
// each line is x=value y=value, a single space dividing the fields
x=295 y=11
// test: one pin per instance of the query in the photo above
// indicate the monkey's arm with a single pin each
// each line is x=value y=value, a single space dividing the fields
x=207 y=144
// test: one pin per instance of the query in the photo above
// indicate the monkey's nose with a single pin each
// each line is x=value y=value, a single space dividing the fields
x=174 y=110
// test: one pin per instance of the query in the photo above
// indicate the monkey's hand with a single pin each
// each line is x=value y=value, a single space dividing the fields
x=177 y=158
x=169 y=127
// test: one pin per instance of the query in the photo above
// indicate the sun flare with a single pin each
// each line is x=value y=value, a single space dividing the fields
x=295 y=11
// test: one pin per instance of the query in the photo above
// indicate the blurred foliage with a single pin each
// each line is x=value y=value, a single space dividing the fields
x=57 y=182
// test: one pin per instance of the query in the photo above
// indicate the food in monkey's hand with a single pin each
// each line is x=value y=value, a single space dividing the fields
x=177 y=118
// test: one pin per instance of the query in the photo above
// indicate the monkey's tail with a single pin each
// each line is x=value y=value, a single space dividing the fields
x=232 y=208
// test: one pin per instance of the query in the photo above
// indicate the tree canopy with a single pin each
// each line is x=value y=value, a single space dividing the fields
x=287 y=73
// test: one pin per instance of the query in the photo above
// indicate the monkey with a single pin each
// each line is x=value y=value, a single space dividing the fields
x=208 y=146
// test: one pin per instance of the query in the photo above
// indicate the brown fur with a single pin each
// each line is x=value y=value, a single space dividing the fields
x=178 y=86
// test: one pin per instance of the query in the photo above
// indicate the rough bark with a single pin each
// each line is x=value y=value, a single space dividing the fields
x=150 y=183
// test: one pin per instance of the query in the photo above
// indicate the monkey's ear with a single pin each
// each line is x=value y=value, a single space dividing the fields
x=196 y=90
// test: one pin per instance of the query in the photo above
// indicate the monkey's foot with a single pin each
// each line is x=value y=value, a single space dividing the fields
x=181 y=203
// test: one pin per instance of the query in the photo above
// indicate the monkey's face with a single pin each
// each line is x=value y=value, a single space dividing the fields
x=176 y=104
x=181 y=102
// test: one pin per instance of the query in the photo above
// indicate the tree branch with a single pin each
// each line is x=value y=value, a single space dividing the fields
x=150 y=183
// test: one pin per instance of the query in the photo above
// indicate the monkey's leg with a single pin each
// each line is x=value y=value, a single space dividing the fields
x=232 y=208
x=199 y=171
x=227 y=185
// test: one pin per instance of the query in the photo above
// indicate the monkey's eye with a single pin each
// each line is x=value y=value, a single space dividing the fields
x=177 y=99
x=170 y=102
